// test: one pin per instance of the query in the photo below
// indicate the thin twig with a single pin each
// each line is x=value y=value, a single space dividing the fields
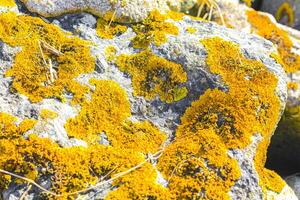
x=50 y=48
x=116 y=176
x=26 y=192
x=28 y=180
x=41 y=50
x=112 y=18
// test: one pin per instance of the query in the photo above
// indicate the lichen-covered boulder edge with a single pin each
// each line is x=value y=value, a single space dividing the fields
x=121 y=11
x=189 y=106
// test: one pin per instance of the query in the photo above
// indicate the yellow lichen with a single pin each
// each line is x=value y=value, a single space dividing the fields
x=220 y=121
x=267 y=29
x=176 y=16
x=292 y=86
x=286 y=9
x=153 y=76
x=108 y=30
x=49 y=60
x=9 y=129
x=191 y=30
x=108 y=112
x=7 y=3
x=153 y=29
x=251 y=107
x=48 y=114
x=110 y=53
x=75 y=168
x=248 y=2
x=197 y=166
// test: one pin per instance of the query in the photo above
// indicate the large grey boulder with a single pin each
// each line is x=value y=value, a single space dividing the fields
x=219 y=98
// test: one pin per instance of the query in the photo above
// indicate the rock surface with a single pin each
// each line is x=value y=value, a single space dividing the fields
x=194 y=108
x=294 y=182
x=121 y=11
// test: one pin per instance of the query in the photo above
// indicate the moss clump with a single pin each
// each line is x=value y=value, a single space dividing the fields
x=49 y=60
x=267 y=29
x=108 y=30
x=153 y=29
x=286 y=9
x=153 y=76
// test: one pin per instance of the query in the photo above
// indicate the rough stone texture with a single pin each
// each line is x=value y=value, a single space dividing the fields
x=190 y=54
x=294 y=182
x=124 y=11
x=247 y=187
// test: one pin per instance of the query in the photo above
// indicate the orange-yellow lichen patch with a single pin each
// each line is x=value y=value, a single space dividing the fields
x=197 y=166
x=153 y=29
x=220 y=121
x=48 y=114
x=258 y=106
x=7 y=3
x=267 y=29
x=140 y=184
x=49 y=60
x=286 y=9
x=75 y=168
x=248 y=2
x=153 y=76
x=110 y=53
x=109 y=30
x=9 y=129
x=292 y=85
x=108 y=112
x=176 y=16
x=191 y=30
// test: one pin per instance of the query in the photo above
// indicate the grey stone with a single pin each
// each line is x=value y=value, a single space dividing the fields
x=294 y=182
x=191 y=54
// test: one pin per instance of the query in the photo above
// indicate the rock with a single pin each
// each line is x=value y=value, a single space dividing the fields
x=120 y=11
x=294 y=182
x=284 y=149
x=169 y=108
